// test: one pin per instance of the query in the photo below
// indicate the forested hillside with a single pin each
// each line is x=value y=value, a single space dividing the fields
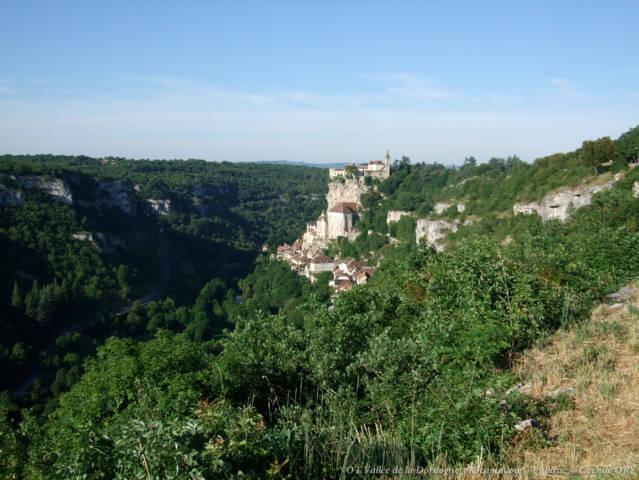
x=413 y=370
x=84 y=242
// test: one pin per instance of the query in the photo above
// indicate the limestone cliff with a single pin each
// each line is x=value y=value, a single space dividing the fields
x=119 y=195
x=56 y=187
x=9 y=195
x=344 y=201
x=434 y=231
x=440 y=207
x=558 y=205
x=105 y=193
x=160 y=207
x=348 y=192
x=396 y=215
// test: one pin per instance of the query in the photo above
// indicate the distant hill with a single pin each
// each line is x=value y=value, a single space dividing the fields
x=304 y=164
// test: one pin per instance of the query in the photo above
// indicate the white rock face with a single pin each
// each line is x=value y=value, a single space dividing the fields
x=395 y=215
x=332 y=224
x=350 y=191
x=635 y=189
x=434 y=231
x=441 y=207
x=83 y=236
x=524 y=424
x=120 y=196
x=557 y=205
x=160 y=207
x=55 y=187
x=9 y=196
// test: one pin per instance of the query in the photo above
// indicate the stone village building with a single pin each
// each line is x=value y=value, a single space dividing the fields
x=343 y=199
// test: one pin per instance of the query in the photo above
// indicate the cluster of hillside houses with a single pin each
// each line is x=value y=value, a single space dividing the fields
x=346 y=272
x=346 y=185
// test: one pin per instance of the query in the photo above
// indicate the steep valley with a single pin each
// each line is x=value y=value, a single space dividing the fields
x=195 y=319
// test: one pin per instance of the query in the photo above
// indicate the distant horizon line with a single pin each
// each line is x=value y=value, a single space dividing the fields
x=274 y=162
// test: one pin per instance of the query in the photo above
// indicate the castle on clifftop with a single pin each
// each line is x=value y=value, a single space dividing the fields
x=345 y=187
x=374 y=169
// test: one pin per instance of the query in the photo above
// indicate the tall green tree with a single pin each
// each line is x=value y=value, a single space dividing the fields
x=16 y=296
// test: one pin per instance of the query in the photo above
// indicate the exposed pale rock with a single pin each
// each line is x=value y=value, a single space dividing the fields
x=349 y=191
x=343 y=204
x=520 y=387
x=635 y=189
x=626 y=293
x=55 y=187
x=9 y=196
x=83 y=236
x=120 y=196
x=160 y=207
x=524 y=424
x=616 y=307
x=557 y=205
x=396 y=215
x=441 y=207
x=434 y=231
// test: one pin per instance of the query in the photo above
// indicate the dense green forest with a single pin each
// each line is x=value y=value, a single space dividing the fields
x=81 y=250
x=282 y=384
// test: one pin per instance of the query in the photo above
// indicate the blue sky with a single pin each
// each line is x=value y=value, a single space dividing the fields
x=315 y=81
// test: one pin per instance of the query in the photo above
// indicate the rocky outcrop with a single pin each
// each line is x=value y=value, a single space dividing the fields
x=160 y=207
x=635 y=189
x=83 y=236
x=104 y=194
x=119 y=195
x=107 y=243
x=623 y=295
x=559 y=204
x=344 y=203
x=395 y=215
x=10 y=196
x=350 y=191
x=441 y=207
x=56 y=187
x=434 y=231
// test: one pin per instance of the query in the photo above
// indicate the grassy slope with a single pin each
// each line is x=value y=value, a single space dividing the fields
x=600 y=360
x=595 y=435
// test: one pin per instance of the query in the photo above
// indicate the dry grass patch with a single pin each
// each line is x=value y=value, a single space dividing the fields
x=600 y=360
x=594 y=430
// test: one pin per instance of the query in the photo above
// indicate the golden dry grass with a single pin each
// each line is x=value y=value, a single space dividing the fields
x=599 y=436
x=600 y=360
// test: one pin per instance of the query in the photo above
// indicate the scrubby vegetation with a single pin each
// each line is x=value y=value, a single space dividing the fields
x=410 y=370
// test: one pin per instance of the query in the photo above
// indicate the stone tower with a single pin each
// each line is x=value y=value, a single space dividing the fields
x=387 y=158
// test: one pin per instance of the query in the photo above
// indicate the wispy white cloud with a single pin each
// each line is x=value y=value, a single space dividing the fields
x=567 y=88
x=182 y=89
x=162 y=117
x=412 y=86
